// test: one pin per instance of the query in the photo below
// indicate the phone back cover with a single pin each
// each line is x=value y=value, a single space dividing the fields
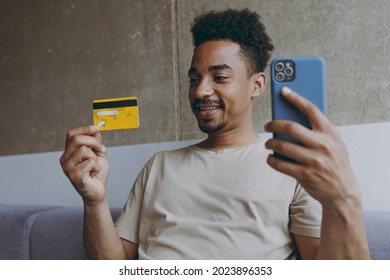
x=309 y=82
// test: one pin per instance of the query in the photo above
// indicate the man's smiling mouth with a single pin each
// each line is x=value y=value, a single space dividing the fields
x=207 y=105
x=207 y=108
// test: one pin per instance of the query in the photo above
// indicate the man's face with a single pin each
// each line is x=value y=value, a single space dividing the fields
x=220 y=91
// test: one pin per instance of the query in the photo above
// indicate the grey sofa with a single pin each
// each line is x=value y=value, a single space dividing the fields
x=55 y=232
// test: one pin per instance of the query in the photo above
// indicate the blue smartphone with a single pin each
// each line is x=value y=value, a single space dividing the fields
x=304 y=75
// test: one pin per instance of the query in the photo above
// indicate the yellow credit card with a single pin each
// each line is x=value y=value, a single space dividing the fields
x=116 y=113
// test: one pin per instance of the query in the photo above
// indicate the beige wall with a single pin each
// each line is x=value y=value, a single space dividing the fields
x=57 y=56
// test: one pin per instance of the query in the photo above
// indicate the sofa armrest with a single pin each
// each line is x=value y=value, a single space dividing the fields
x=16 y=224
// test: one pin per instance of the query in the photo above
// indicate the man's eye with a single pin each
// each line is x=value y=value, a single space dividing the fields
x=193 y=81
x=220 y=78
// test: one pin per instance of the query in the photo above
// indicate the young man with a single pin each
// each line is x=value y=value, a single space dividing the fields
x=220 y=199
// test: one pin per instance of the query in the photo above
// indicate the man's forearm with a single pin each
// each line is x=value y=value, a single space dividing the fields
x=343 y=234
x=101 y=240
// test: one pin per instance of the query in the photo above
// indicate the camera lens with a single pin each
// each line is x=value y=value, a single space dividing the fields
x=279 y=77
x=288 y=71
x=279 y=66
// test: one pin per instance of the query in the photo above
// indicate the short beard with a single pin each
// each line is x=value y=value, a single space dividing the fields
x=211 y=129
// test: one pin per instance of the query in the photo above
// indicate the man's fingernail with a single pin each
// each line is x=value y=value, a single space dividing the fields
x=104 y=149
x=94 y=128
x=286 y=90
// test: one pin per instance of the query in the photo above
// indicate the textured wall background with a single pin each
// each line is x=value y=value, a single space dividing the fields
x=57 y=56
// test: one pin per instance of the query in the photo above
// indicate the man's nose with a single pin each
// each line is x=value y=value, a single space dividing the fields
x=204 y=90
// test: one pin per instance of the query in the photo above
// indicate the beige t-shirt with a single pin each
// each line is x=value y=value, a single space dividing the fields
x=198 y=204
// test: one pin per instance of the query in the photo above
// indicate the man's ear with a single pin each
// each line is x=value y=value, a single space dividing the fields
x=260 y=80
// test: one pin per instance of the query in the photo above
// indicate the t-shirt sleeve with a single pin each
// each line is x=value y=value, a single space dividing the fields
x=305 y=214
x=127 y=223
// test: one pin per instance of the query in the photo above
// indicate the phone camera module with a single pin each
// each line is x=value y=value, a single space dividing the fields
x=284 y=71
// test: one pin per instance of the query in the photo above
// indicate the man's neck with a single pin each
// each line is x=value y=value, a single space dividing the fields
x=225 y=140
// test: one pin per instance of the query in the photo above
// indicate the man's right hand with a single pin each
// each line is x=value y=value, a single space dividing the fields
x=84 y=162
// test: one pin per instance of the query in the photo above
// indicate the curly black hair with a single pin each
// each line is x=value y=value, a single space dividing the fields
x=240 y=26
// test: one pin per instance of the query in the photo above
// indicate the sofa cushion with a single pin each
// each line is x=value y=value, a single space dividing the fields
x=58 y=234
x=16 y=223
